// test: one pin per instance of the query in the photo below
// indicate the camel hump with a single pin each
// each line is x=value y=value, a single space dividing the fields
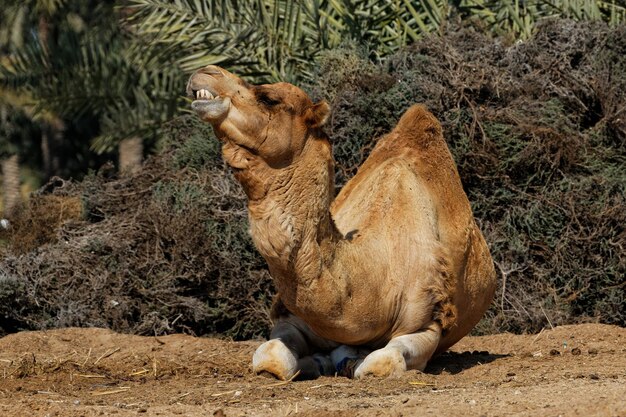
x=418 y=126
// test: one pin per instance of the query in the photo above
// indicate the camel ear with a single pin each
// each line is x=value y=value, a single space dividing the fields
x=317 y=115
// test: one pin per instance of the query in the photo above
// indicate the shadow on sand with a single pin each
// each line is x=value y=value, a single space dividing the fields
x=453 y=362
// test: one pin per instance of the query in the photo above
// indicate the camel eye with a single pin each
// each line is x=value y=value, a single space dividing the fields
x=266 y=100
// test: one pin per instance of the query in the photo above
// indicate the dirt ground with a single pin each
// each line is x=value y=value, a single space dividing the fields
x=570 y=371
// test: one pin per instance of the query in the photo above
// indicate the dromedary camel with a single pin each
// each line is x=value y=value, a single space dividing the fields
x=374 y=282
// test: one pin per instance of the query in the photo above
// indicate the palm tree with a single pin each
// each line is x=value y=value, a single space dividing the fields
x=277 y=40
x=16 y=24
x=126 y=78
x=83 y=66
x=18 y=126
x=10 y=183
x=281 y=39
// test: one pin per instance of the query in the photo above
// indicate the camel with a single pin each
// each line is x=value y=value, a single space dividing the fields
x=372 y=282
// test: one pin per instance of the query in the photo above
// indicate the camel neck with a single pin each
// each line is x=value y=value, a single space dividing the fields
x=291 y=224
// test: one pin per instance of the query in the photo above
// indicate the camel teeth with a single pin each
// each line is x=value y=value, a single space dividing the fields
x=204 y=94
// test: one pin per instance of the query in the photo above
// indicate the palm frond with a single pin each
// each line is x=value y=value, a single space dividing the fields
x=100 y=75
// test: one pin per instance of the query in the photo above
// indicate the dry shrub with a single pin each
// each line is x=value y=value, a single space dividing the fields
x=37 y=221
x=164 y=250
x=538 y=132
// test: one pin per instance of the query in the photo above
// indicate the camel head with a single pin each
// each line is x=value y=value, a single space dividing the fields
x=272 y=121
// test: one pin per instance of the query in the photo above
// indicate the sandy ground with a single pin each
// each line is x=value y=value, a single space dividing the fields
x=570 y=371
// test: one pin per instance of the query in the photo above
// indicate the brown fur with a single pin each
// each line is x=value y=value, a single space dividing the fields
x=395 y=250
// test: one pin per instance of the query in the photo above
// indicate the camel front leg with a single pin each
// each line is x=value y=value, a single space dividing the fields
x=411 y=351
x=293 y=347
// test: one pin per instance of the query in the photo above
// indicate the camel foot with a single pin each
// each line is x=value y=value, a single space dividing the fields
x=274 y=358
x=382 y=363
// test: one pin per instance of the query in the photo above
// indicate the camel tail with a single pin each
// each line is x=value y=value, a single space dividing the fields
x=418 y=126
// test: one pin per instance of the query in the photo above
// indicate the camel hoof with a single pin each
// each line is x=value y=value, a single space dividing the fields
x=381 y=363
x=274 y=358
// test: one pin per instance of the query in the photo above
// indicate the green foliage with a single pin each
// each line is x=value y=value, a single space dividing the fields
x=92 y=70
x=233 y=34
x=282 y=40
x=518 y=18
x=75 y=66
x=178 y=196
x=278 y=40
x=193 y=142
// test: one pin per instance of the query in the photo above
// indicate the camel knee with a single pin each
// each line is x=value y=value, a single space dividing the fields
x=381 y=363
x=411 y=351
x=275 y=358
x=287 y=352
x=417 y=348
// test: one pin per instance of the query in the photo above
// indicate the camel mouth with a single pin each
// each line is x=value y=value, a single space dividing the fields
x=204 y=94
x=208 y=104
